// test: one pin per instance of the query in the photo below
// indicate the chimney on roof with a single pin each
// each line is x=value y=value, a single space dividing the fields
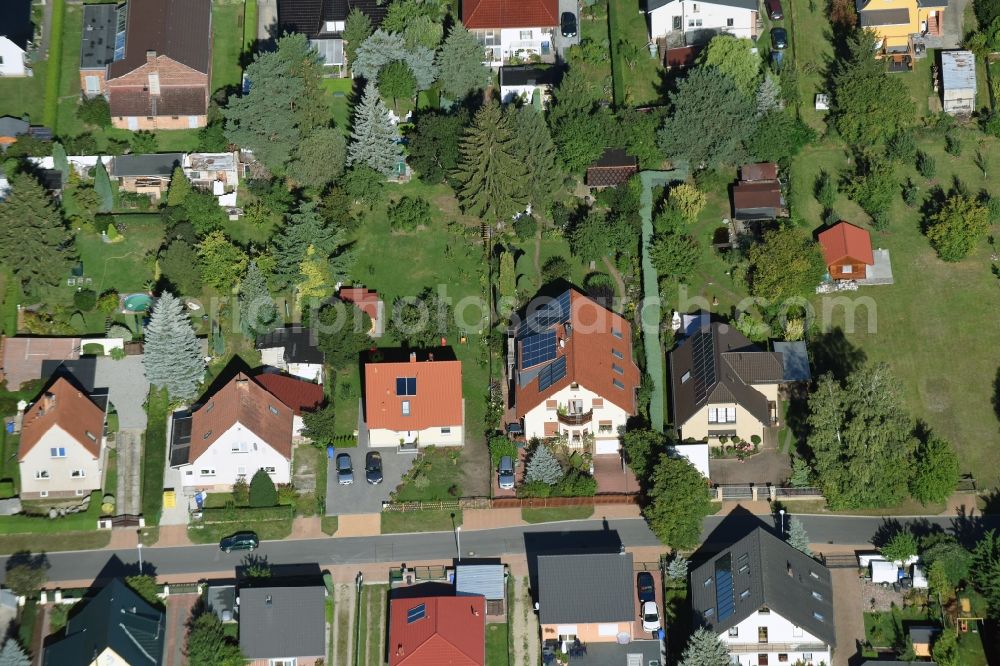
x=48 y=403
x=413 y=357
x=400 y=650
x=242 y=383
x=430 y=357
x=267 y=600
x=475 y=611
x=150 y=56
x=444 y=342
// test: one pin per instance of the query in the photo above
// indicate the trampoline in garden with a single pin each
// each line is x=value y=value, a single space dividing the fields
x=136 y=303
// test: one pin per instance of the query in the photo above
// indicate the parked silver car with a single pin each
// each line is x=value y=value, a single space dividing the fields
x=345 y=471
x=505 y=473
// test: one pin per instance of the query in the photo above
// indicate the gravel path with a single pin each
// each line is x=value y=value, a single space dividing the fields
x=524 y=630
x=128 y=495
x=342 y=632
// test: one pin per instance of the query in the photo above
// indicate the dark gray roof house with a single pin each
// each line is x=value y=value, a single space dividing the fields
x=97 y=44
x=117 y=619
x=795 y=359
x=16 y=24
x=12 y=127
x=582 y=588
x=297 y=342
x=718 y=364
x=157 y=164
x=762 y=571
x=283 y=622
x=323 y=22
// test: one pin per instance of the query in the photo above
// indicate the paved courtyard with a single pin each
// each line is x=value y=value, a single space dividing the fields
x=127 y=387
x=361 y=496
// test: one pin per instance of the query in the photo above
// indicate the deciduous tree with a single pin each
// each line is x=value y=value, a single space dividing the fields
x=785 y=265
x=674 y=255
x=860 y=438
x=421 y=321
x=319 y=158
x=145 y=586
x=958 y=226
x=642 y=449
x=874 y=187
x=94 y=111
x=222 y=261
x=316 y=283
x=493 y=181
x=900 y=547
x=374 y=138
x=173 y=357
x=320 y=425
x=936 y=471
x=177 y=264
x=34 y=241
x=433 y=144
x=208 y=645
x=737 y=59
x=985 y=570
x=679 y=502
x=778 y=137
x=710 y=119
x=460 y=64
x=343 y=334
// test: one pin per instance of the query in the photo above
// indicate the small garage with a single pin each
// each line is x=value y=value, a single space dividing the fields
x=958 y=82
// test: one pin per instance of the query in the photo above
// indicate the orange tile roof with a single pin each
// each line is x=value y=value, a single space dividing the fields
x=846 y=241
x=588 y=352
x=67 y=407
x=365 y=300
x=300 y=395
x=452 y=632
x=246 y=402
x=437 y=401
x=487 y=14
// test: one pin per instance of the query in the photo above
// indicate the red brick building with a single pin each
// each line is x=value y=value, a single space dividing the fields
x=151 y=59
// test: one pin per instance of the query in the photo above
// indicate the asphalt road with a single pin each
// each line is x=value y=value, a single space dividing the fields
x=399 y=548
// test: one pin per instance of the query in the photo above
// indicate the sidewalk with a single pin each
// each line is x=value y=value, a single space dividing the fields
x=488 y=519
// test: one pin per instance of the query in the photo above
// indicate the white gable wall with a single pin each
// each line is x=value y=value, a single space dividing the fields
x=606 y=439
x=694 y=16
x=60 y=470
x=783 y=638
x=223 y=464
x=13 y=59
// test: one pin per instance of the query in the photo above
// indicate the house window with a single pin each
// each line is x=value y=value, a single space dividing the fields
x=685 y=377
x=406 y=408
x=729 y=23
x=617 y=368
x=722 y=415
x=488 y=37
x=208 y=472
x=77 y=474
x=445 y=431
x=745 y=594
x=694 y=7
x=525 y=35
x=848 y=268
x=207 y=435
x=57 y=452
x=796 y=632
x=43 y=493
x=745 y=568
x=709 y=613
x=269 y=470
x=615 y=332
x=604 y=427
x=241 y=470
x=283 y=662
x=416 y=613
x=238 y=447
x=617 y=354
x=42 y=475
x=677 y=23
x=209 y=407
x=79 y=492
x=91 y=436
x=597 y=403
x=694 y=23
x=764 y=610
x=734 y=631
x=618 y=384
x=782 y=658
x=807 y=656
x=761 y=634
x=814 y=575
x=272 y=409
x=708 y=581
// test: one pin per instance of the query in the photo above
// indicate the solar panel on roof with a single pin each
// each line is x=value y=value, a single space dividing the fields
x=551 y=312
x=538 y=348
x=406 y=385
x=416 y=613
x=724 y=586
x=552 y=373
x=702 y=364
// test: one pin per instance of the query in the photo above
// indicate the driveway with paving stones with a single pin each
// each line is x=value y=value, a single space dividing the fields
x=361 y=496
x=127 y=387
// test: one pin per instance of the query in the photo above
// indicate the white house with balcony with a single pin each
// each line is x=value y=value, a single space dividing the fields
x=768 y=602
x=513 y=32
x=694 y=22
x=240 y=429
x=571 y=373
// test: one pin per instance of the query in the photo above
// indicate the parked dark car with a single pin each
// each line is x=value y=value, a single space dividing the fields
x=647 y=588
x=567 y=23
x=774 y=10
x=345 y=471
x=779 y=39
x=239 y=541
x=373 y=467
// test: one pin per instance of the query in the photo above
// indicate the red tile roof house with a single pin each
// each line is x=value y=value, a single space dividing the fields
x=157 y=76
x=62 y=443
x=847 y=250
x=573 y=374
x=299 y=395
x=523 y=29
x=437 y=631
x=414 y=403
x=367 y=301
x=235 y=432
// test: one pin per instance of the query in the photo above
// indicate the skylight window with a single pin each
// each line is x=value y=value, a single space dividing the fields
x=819 y=616
x=618 y=384
x=817 y=595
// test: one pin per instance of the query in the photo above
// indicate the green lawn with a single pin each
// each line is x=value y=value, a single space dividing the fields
x=594 y=26
x=640 y=74
x=127 y=264
x=889 y=630
x=432 y=477
x=227 y=44
x=154 y=455
x=26 y=523
x=339 y=96
x=24 y=96
x=374 y=616
x=497 y=651
x=249 y=25
x=267 y=530
x=397 y=522
x=346 y=395
x=9 y=469
x=111 y=473
x=54 y=64
x=551 y=515
x=809 y=31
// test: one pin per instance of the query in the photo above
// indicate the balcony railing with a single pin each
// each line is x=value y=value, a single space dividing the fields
x=762 y=648
x=577 y=419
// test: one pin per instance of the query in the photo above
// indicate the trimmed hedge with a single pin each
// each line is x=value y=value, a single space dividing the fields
x=246 y=514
